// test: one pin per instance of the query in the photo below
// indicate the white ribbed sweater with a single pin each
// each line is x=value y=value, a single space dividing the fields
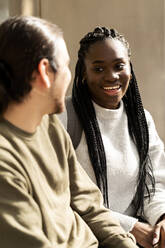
x=123 y=163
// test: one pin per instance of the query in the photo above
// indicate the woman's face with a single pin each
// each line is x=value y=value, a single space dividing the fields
x=107 y=72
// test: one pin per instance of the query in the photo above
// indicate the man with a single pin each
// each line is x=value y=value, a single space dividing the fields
x=46 y=199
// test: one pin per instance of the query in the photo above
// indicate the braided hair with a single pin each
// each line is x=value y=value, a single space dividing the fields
x=137 y=123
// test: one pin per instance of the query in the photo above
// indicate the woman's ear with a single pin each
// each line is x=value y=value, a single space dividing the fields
x=44 y=71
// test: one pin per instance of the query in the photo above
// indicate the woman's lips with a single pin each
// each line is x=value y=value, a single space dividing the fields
x=112 y=90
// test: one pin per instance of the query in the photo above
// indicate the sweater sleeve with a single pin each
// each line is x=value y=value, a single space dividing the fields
x=20 y=218
x=86 y=200
x=127 y=222
x=156 y=207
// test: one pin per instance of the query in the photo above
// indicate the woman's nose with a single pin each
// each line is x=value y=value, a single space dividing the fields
x=111 y=76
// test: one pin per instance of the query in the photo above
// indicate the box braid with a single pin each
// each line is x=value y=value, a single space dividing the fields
x=137 y=123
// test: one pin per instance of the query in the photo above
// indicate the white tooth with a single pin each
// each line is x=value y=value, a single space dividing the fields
x=111 y=88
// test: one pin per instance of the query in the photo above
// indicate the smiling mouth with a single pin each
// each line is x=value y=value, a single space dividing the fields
x=117 y=87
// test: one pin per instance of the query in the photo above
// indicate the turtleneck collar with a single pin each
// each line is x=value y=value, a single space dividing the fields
x=104 y=113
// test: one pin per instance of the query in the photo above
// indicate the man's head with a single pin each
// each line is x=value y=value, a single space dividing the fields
x=27 y=44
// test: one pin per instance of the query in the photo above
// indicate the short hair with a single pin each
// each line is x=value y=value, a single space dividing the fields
x=24 y=41
x=137 y=123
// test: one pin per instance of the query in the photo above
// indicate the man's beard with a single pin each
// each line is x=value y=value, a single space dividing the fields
x=59 y=107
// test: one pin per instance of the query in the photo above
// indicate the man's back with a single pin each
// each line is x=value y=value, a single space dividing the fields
x=44 y=195
x=34 y=172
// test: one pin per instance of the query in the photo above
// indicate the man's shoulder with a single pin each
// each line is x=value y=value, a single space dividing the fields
x=5 y=137
x=55 y=129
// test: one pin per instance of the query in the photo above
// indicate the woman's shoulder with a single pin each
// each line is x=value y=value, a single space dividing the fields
x=153 y=134
x=149 y=118
x=70 y=121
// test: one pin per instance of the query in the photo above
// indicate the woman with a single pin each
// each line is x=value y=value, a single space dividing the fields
x=115 y=138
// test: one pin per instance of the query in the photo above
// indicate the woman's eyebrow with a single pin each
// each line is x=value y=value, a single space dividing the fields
x=97 y=61
x=102 y=61
x=119 y=59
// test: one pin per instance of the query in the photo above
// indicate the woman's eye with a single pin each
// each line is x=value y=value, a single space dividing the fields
x=120 y=66
x=98 y=69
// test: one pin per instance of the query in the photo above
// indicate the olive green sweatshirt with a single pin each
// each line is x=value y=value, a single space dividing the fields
x=46 y=198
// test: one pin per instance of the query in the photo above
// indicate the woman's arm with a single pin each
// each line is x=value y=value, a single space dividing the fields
x=155 y=208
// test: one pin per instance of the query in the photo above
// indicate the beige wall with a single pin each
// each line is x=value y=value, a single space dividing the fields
x=24 y=7
x=142 y=22
x=4 y=11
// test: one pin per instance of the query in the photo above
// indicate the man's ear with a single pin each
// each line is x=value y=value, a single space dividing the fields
x=44 y=71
